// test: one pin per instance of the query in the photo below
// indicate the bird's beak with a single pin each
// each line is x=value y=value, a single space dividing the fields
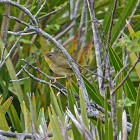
x=44 y=55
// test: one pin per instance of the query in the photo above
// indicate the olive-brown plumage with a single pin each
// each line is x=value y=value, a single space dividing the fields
x=58 y=64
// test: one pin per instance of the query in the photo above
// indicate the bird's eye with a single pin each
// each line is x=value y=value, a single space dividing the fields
x=49 y=55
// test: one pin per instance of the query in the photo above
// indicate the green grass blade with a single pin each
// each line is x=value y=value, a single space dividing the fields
x=83 y=109
x=127 y=10
x=129 y=88
x=6 y=105
x=55 y=106
x=71 y=103
x=14 y=119
x=18 y=90
x=3 y=123
x=119 y=111
x=136 y=117
x=55 y=125
x=106 y=119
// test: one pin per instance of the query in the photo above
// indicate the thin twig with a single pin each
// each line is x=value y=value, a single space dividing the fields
x=25 y=10
x=21 y=70
x=53 y=12
x=93 y=73
x=133 y=12
x=97 y=43
x=126 y=76
x=80 y=81
x=65 y=30
x=21 y=34
x=20 y=79
x=44 y=82
x=42 y=6
x=127 y=57
x=5 y=39
x=119 y=73
x=10 y=52
x=21 y=16
x=112 y=19
x=18 y=20
x=86 y=28
x=72 y=7
x=75 y=69
x=76 y=8
x=49 y=77
x=82 y=22
x=123 y=52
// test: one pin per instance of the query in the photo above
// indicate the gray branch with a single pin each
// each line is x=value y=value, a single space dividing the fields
x=126 y=75
x=42 y=6
x=25 y=10
x=49 y=14
x=80 y=81
x=97 y=43
x=10 y=52
x=112 y=19
x=70 y=60
x=44 y=82
x=21 y=34
x=126 y=23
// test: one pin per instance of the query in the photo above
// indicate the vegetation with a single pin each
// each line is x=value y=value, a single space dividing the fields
x=101 y=103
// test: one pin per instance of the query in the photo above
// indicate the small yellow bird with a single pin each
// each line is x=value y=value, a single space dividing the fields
x=58 y=65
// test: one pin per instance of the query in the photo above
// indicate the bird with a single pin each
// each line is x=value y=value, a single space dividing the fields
x=58 y=65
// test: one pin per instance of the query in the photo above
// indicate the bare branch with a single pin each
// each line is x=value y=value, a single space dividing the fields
x=72 y=9
x=84 y=10
x=15 y=134
x=76 y=8
x=5 y=21
x=20 y=79
x=44 y=82
x=42 y=6
x=126 y=75
x=112 y=19
x=18 y=20
x=21 y=70
x=3 y=137
x=65 y=30
x=70 y=60
x=86 y=28
x=97 y=43
x=4 y=36
x=74 y=15
x=38 y=69
x=21 y=34
x=25 y=10
x=81 y=84
x=21 y=17
x=72 y=6
x=10 y=52
x=49 y=14
x=93 y=73
x=126 y=23
x=127 y=57
x=119 y=73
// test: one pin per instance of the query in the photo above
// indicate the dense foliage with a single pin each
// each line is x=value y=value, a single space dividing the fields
x=36 y=105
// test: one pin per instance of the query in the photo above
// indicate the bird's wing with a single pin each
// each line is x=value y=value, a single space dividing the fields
x=62 y=62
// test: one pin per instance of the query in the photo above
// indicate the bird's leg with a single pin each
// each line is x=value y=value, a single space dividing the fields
x=55 y=78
